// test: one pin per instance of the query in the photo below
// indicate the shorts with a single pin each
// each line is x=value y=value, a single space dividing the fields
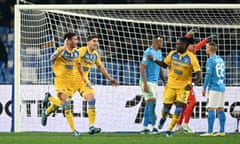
x=215 y=99
x=152 y=90
x=83 y=89
x=171 y=95
x=65 y=86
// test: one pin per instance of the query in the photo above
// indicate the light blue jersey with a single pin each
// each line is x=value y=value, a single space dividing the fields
x=215 y=73
x=152 y=69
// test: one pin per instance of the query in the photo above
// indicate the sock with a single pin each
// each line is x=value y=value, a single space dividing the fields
x=91 y=112
x=52 y=108
x=146 y=116
x=151 y=112
x=55 y=101
x=165 y=112
x=175 y=118
x=211 y=119
x=222 y=120
x=68 y=114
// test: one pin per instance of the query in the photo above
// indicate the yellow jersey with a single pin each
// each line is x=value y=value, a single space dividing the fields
x=65 y=64
x=181 y=67
x=87 y=60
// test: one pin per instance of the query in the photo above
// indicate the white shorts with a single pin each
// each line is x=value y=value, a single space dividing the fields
x=152 y=90
x=215 y=99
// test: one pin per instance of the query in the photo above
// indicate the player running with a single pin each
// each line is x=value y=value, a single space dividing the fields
x=149 y=72
x=188 y=109
x=66 y=59
x=89 y=57
x=214 y=81
x=181 y=63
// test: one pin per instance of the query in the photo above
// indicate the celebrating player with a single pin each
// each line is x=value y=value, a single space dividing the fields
x=188 y=109
x=66 y=59
x=148 y=82
x=88 y=57
x=214 y=80
x=178 y=87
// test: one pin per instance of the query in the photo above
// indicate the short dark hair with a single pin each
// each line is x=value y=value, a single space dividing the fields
x=92 y=36
x=187 y=41
x=69 y=35
x=157 y=38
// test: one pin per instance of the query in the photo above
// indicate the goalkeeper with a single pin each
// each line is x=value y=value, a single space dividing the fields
x=66 y=59
x=188 y=109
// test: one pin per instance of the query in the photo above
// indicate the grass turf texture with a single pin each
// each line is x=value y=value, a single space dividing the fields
x=113 y=138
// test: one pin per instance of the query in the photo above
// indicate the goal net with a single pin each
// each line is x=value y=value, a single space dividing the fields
x=124 y=31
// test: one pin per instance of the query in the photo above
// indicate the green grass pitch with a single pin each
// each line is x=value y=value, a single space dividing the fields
x=113 y=138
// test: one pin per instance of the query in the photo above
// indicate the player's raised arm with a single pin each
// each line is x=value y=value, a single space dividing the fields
x=58 y=52
x=161 y=63
x=203 y=42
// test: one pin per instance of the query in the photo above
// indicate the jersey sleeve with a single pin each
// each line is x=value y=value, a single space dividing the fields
x=98 y=61
x=168 y=59
x=145 y=60
x=81 y=52
x=200 y=45
x=195 y=64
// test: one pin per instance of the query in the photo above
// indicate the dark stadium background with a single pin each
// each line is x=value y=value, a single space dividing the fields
x=7 y=18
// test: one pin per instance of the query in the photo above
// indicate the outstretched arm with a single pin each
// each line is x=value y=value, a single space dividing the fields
x=203 y=42
x=161 y=63
x=57 y=53
x=106 y=74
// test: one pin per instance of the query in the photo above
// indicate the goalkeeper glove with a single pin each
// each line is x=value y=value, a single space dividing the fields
x=192 y=32
x=211 y=37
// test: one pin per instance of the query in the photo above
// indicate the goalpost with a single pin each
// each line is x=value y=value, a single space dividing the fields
x=124 y=32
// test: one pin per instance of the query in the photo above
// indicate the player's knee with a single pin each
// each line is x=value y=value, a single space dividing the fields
x=180 y=104
x=178 y=111
x=89 y=97
x=63 y=97
x=166 y=109
x=67 y=105
x=167 y=106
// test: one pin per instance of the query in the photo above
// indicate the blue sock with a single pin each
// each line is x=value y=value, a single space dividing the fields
x=211 y=119
x=146 y=116
x=178 y=111
x=151 y=112
x=222 y=120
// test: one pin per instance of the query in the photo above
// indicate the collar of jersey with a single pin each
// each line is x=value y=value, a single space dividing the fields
x=70 y=50
x=183 y=53
x=89 y=50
